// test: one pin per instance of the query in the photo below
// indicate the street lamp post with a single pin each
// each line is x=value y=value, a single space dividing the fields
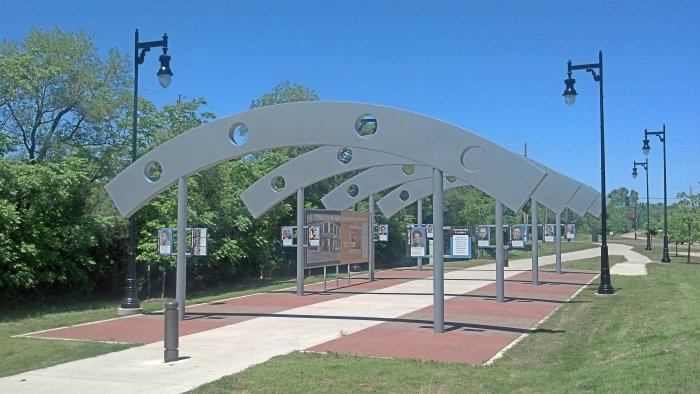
x=570 y=98
x=644 y=164
x=646 y=148
x=131 y=304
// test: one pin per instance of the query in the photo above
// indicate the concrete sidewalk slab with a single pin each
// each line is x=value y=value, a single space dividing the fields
x=636 y=263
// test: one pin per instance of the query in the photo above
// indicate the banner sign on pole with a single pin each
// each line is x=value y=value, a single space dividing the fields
x=196 y=244
x=287 y=235
x=483 y=236
x=460 y=242
x=416 y=246
x=165 y=242
x=518 y=236
x=383 y=232
x=199 y=242
x=548 y=235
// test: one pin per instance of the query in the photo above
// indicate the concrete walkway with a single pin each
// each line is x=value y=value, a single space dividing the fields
x=209 y=355
x=636 y=263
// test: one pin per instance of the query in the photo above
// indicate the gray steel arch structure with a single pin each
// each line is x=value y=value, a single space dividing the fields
x=313 y=167
x=387 y=170
x=426 y=140
x=370 y=181
x=393 y=201
x=443 y=147
x=556 y=192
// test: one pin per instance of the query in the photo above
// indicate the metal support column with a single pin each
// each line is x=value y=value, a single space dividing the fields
x=300 y=242
x=438 y=259
x=419 y=216
x=181 y=282
x=371 y=237
x=535 y=245
x=557 y=240
x=500 y=252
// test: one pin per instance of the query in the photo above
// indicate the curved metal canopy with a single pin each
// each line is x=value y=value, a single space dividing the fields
x=432 y=142
x=370 y=181
x=307 y=169
x=410 y=192
x=556 y=191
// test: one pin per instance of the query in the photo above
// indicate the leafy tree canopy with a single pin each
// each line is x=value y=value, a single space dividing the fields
x=284 y=92
x=56 y=94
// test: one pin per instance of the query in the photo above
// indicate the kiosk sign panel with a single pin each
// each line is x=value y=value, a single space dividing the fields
x=325 y=249
x=460 y=243
x=354 y=234
x=336 y=237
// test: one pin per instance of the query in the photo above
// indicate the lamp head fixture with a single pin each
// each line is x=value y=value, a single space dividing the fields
x=634 y=172
x=646 y=148
x=165 y=74
x=569 y=92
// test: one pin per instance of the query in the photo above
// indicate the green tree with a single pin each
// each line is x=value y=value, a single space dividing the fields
x=620 y=210
x=156 y=127
x=57 y=95
x=684 y=220
x=264 y=254
x=284 y=92
x=50 y=243
x=468 y=206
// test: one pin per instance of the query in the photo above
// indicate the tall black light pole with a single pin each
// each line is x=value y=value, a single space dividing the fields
x=570 y=98
x=646 y=148
x=165 y=75
x=644 y=164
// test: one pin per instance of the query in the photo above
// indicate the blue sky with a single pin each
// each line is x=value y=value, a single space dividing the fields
x=495 y=68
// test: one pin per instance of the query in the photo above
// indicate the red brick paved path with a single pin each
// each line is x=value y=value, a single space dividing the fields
x=476 y=326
